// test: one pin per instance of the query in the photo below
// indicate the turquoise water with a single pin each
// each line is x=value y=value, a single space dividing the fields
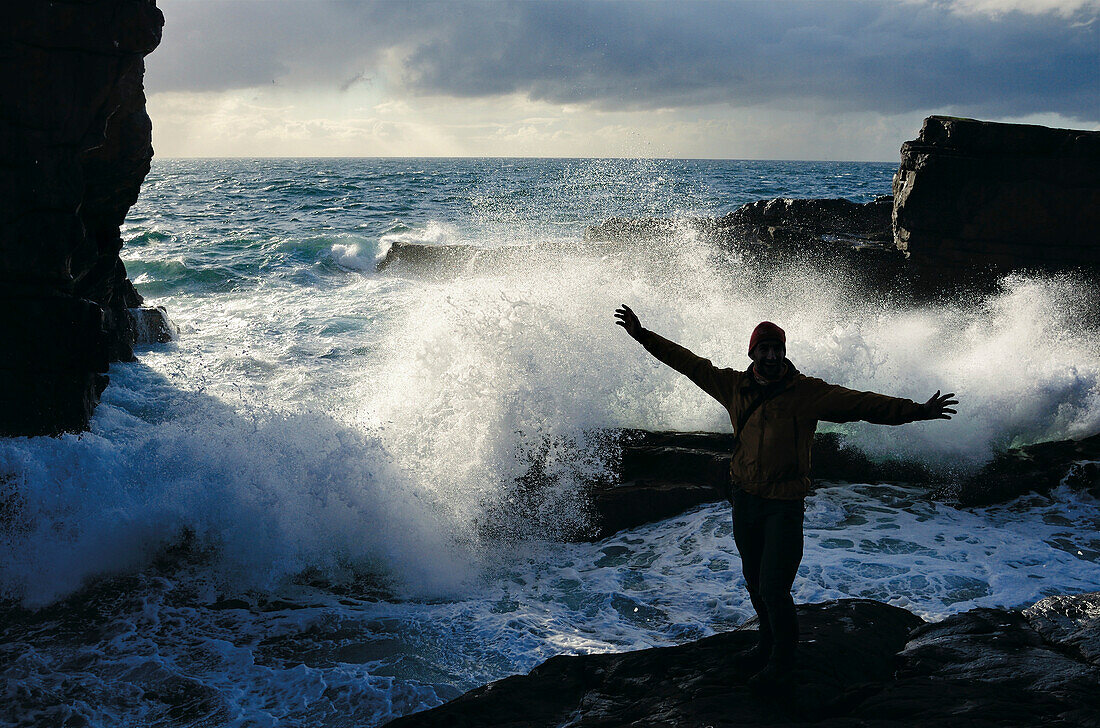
x=305 y=511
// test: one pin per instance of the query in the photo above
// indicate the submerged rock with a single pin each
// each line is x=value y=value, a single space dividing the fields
x=860 y=663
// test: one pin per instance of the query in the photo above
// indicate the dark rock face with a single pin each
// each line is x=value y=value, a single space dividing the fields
x=1072 y=623
x=1034 y=469
x=797 y=221
x=694 y=684
x=992 y=667
x=860 y=663
x=973 y=194
x=74 y=149
x=663 y=474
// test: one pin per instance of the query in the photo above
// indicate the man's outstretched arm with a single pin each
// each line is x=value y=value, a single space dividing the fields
x=840 y=404
x=718 y=383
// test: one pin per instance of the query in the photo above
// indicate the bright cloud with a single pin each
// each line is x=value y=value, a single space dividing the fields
x=559 y=78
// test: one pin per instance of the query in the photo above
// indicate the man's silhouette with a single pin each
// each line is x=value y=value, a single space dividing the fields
x=774 y=410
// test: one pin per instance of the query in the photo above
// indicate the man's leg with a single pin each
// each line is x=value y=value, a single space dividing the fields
x=782 y=553
x=748 y=535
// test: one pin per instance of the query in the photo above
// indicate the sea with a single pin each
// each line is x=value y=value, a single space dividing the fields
x=311 y=508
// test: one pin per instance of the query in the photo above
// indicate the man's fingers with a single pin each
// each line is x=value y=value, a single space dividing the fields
x=951 y=411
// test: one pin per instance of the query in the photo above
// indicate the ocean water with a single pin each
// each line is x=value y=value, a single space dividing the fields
x=308 y=510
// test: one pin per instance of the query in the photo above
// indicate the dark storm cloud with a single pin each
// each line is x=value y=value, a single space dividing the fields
x=891 y=57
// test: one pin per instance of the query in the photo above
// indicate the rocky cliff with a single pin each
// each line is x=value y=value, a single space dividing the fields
x=74 y=149
x=998 y=196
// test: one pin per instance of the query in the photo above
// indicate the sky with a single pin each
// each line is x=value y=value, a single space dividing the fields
x=760 y=79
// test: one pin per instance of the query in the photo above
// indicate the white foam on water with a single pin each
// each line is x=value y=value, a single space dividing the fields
x=324 y=656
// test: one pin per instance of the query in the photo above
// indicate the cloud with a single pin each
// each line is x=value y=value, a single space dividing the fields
x=989 y=58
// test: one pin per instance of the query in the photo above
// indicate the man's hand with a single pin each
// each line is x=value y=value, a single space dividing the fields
x=937 y=407
x=628 y=321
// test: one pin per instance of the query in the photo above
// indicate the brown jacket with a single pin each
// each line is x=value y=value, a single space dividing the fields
x=773 y=458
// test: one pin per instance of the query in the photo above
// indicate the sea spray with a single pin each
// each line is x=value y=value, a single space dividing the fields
x=270 y=494
x=490 y=361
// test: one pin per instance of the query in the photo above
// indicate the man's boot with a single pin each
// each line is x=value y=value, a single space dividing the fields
x=752 y=660
x=778 y=673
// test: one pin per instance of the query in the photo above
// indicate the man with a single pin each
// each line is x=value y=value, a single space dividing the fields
x=774 y=410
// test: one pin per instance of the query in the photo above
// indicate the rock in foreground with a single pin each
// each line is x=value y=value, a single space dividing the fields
x=861 y=663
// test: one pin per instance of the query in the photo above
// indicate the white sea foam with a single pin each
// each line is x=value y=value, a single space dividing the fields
x=272 y=493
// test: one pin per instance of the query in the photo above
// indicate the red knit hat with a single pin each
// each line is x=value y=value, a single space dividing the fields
x=766 y=331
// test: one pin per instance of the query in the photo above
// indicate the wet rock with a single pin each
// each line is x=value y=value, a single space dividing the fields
x=427 y=260
x=988 y=667
x=1072 y=623
x=790 y=221
x=151 y=325
x=982 y=196
x=853 y=644
x=74 y=149
x=860 y=663
x=1032 y=469
x=444 y=261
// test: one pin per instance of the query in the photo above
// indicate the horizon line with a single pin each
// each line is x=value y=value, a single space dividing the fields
x=467 y=156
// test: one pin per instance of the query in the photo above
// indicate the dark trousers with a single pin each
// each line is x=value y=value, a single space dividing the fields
x=768 y=534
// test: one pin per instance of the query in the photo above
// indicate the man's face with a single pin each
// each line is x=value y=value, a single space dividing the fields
x=768 y=356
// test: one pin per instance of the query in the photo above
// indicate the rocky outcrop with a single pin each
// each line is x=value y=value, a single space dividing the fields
x=981 y=195
x=421 y=260
x=831 y=233
x=663 y=474
x=828 y=232
x=74 y=149
x=860 y=663
x=787 y=221
x=1036 y=468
